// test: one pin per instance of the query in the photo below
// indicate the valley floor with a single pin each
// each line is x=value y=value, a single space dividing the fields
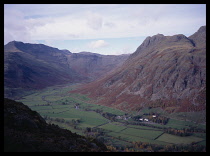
x=119 y=130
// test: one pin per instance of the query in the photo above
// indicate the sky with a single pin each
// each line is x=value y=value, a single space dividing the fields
x=109 y=29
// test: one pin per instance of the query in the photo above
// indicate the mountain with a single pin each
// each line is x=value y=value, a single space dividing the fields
x=94 y=65
x=164 y=71
x=26 y=131
x=199 y=38
x=36 y=66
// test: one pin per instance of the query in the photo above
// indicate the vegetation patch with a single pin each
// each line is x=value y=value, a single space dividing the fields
x=178 y=139
x=119 y=130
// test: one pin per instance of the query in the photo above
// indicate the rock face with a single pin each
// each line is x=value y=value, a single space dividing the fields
x=36 y=66
x=199 y=38
x=164 y=71
x=26 y=131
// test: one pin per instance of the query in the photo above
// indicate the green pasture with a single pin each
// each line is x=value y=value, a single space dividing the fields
x=168 y=138
x=112 y=127
x=197 y=117
x=180 y=124
x=87 y=119
x=57 y=102
x=147 y=134
x=131 y=138
x=142 y=127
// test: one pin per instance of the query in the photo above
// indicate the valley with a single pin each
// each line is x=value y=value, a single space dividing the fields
x=151 y=100
x=118 y=129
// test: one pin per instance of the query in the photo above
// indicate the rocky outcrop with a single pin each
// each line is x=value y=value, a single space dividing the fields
x=26 y=131
x=164 y=71
x=199 y=38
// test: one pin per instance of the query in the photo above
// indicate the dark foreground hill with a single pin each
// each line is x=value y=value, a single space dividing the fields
x=165 y=71
x=26 y=131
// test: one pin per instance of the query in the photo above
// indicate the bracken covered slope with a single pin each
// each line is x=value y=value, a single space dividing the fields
x=164 y=71
x=26 y=131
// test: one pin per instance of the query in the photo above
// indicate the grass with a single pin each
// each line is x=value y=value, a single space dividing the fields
x=147 y=134
x=91 y=119
x=57 y=102
x=168 y=138
x=112 y=127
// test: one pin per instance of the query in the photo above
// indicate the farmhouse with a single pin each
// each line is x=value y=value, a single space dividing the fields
x=144 y=119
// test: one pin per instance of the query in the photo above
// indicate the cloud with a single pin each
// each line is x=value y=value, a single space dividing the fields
x=109 y=24
x=94 y=21
x=54 y=23
x=97 y=44
x=15 y=28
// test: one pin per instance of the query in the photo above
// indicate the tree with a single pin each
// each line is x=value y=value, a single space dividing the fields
x=88 y=129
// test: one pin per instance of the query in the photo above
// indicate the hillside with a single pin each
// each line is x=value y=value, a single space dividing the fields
x=26 y=131
x=36 y=66
x=164 y=71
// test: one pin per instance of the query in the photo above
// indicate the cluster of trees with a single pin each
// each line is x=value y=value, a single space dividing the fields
x=159 y=119
x=148 y=147
x=142 y=146
x=137 y=117
x=72 y=122
x=109 y=116
x=48 y=104
x=96 y=133
x=184 y=131
x=179 y=132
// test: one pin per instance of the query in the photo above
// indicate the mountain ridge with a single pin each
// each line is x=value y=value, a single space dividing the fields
x=164 y=71
x=36 y=66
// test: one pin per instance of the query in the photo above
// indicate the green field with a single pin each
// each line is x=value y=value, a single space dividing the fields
x=168 y=138
x=58 y=106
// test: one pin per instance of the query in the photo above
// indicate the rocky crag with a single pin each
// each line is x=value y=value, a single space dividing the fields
x=164 y=71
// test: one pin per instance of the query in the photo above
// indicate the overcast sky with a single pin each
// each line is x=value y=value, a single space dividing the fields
x=100 y=28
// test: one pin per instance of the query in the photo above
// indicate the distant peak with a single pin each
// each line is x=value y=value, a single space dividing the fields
x=176 y=38
x=202 y=29
x=152 y=40
x=13 y=42
x=66 y=51
x=158 y=35
x=11 y=47
x=199 y=37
